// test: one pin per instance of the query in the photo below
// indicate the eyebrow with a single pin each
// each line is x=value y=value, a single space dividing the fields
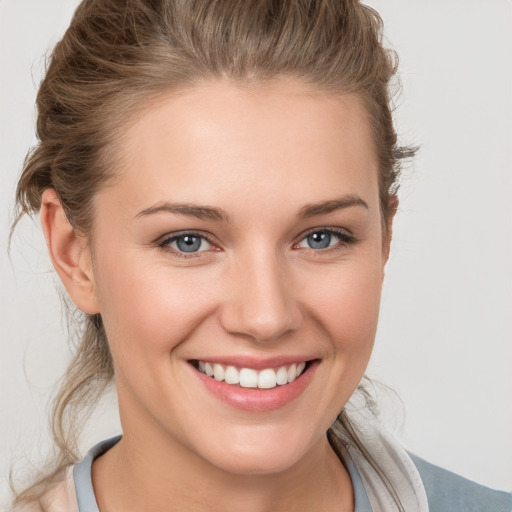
x=331 y=205
x=218 y=214
x=193 y=210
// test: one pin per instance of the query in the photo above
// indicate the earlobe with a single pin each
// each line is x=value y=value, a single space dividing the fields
x=392 y=209
x=69 y=253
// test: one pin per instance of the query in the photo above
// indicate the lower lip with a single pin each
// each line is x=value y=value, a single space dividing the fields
x=255 y=399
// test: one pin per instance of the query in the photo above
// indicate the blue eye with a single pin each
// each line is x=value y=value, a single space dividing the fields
x=187 y=243
x=324 y=239
x=320 y=240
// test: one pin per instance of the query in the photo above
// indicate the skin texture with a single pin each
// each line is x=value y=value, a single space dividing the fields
x=256 y=289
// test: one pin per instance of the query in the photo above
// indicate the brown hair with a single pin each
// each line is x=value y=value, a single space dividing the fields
x=118 y=55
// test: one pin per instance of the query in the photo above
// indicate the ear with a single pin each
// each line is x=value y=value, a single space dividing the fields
x=392 y=209
x=69 y=253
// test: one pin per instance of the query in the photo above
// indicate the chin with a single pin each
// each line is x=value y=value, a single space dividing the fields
x=257 y=464
x=256 y=456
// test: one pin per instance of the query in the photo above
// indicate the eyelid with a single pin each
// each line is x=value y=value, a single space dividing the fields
x=331 y=229
x=165 y=241
x=186 y=232
x=344 y=235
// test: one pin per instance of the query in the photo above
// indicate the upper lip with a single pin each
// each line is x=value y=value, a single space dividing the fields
x=257 y=363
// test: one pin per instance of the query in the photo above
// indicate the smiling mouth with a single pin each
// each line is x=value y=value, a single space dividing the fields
x=266 y=378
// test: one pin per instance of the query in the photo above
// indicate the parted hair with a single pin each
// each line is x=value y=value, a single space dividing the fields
x=117 y=57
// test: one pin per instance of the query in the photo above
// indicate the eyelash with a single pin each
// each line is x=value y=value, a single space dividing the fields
x=344 y=238
x=165 y=244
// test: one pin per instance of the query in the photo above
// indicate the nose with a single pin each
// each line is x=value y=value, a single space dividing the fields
x=261 y=301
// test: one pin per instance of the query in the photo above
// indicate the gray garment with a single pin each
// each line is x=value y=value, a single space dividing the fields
x=446 y=491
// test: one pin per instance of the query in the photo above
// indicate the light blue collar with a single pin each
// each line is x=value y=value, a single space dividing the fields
x=87 y=500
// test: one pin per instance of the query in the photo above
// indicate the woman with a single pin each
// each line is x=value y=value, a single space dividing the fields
x=216 y=184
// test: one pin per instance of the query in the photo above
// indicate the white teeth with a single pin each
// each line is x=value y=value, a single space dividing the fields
x=267 y=379
x=218 y=372
x=250 y=378
x=282 y=376
x=292 y=373
x=208 y=369
x=232 y=376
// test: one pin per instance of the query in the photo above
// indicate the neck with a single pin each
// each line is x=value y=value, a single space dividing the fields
x=144 y=472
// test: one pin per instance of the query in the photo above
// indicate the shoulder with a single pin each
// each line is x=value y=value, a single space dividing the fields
x=449 y=492
x=59 y=497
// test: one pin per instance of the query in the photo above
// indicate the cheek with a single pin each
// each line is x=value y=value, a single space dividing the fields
x=347 y=306
x=347 y=312
x=146 y=309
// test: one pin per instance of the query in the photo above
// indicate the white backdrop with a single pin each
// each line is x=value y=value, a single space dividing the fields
x=444 y=341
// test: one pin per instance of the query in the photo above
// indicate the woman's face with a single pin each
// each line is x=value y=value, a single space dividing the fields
x=243 y=234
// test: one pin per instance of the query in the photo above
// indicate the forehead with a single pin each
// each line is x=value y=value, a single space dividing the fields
x=247 y=141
